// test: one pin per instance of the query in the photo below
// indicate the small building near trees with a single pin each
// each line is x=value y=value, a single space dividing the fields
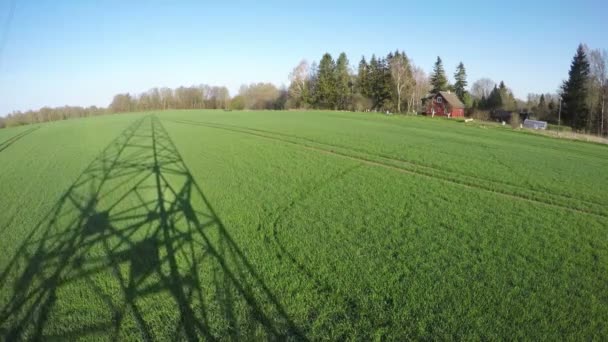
x=444 y=103
x=501 y=115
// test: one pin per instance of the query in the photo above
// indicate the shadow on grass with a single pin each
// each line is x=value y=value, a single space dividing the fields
x=134 y=248
x=8 y=142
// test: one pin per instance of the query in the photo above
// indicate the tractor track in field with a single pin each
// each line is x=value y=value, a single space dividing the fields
x=13 y=139
x=533 y=196
x=472 y=178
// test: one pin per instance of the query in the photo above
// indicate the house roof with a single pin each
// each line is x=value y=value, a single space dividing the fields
x=452 y=99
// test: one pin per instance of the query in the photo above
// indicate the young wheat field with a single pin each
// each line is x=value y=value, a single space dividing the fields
x=187 y=225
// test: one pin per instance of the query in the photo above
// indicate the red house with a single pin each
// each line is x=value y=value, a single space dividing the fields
x=444 y=103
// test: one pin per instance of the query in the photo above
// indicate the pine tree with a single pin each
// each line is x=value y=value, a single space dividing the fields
x=342 y=78
x=326 y=83
x=362 y=77
x=541 y=101
x=574 y=91
x=439 y=81
x=507 y=100
x=541 y=109
x=379 y=83
x=494 y=101
x=372 y=74
x=461 y=82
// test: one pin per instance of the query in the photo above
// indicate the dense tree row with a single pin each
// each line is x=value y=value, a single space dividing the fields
x=47 y=114
x=259 y=96
x=201 y=97
x=391 y=83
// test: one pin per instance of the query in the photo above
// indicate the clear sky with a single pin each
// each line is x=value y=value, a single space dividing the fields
x=60 y=52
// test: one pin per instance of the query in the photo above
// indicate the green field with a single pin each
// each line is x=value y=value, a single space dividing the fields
x=300 y=225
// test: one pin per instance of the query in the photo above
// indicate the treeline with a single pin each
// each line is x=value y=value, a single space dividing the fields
x=46 y=114
x=392 y=83
x=253 y=96
x=389 y=83
x=195 y=97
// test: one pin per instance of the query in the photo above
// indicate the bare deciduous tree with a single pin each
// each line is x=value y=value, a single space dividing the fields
x=422 y=86
x=482 y=88
x=401 y=73
x=260 y=96
x=298 y=87
x=598 y=61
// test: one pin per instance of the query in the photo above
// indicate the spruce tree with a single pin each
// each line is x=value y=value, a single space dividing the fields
x=541 y=109
x=326 y=83
x=507 y=100
x=494 y=101
x=342 y=78
x=541 y=101
x=380 y=81
x=439 y=81
x=574 y=91
x=362 y=77
x=461 y=82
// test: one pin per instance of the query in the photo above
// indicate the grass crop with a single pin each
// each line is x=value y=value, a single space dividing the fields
x=299 y=225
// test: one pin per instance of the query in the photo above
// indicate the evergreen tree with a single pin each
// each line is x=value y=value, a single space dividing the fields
x=541 y=101
x=461 y=82
x=574 y=91
x=507 y=100
x=379 y=83
x=372 y=73
x=541 y=108
x=342 y=78
x=439 y=81
x=326 y=83
x=362 y=77
x=552 y=111
x=494 y=101
x=483 y=103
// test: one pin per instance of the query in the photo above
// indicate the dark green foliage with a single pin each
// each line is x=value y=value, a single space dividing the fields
x=439 y=80
x=541 y=110
x=379 y=83
x=574 y=91
x=362 y=77
x=494 y=101
x=325 y=90
x=461 y=82
x=500 y=98
x=343 y=83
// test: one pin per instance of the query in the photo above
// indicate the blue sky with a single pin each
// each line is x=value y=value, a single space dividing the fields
x=83 y=52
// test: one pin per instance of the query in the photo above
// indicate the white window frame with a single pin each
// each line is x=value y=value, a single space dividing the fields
x=439 y=99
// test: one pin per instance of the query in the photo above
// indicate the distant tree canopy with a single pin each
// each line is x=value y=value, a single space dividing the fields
x=262 y=96
x=381 y=83
x=46 y=114
x=194 y=97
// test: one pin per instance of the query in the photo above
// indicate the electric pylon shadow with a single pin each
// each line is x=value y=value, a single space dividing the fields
x=140 y=244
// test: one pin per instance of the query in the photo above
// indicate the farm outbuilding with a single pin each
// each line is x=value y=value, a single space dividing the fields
x=502 y=115
x=444 y=103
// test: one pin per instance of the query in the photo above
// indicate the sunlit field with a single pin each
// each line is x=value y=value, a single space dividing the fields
x=299 y=225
